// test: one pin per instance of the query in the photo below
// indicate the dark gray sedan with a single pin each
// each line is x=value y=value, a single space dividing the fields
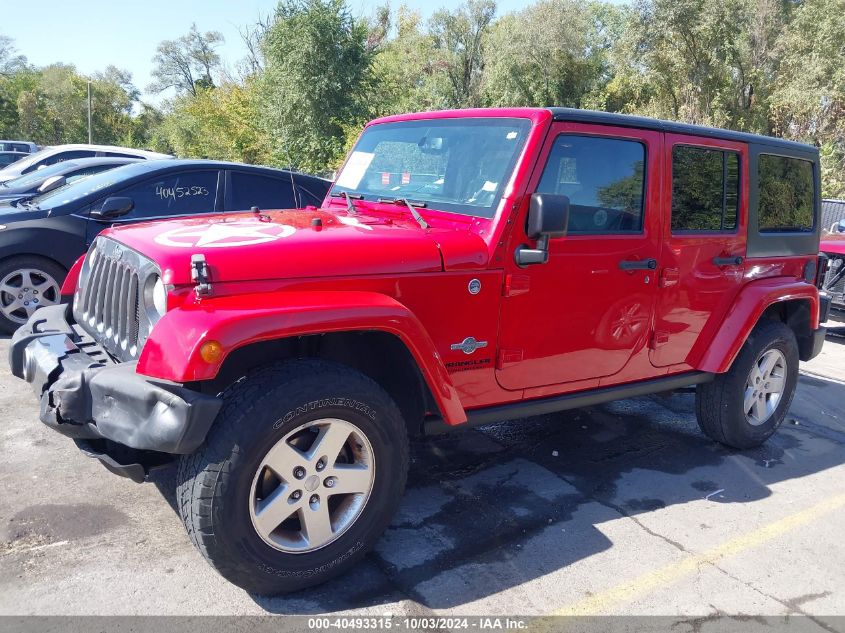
x=57 y=175
x=41 y=236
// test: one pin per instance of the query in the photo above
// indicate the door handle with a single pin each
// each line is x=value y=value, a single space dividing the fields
x=638 y=264
x=728 y=261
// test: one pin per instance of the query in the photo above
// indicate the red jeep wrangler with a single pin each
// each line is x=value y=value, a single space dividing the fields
x=467 y=267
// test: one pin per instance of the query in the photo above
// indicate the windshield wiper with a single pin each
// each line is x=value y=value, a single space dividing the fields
x=411 y=204
x=23 y=200
x=350 y=206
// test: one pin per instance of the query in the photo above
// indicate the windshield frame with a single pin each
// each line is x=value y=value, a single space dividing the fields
x=523 y=125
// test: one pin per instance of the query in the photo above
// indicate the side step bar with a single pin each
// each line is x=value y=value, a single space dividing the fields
x=490 y=415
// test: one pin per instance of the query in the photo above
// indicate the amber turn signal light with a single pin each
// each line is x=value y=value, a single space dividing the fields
x=211 y=352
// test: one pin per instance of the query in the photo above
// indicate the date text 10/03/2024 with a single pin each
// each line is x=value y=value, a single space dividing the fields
x=405 y=623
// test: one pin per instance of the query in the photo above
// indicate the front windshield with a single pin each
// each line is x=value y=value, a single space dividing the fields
x=459 y=165
x=90 y=185
x=36 y=177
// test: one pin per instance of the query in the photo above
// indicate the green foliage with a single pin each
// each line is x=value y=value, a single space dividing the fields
x=50 y=105
x=216 y=123
x=316 y=83
x=552 y=61
x=315 y=73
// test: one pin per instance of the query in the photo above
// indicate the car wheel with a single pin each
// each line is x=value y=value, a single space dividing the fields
x=298 y=477
x=26 y=284
x=743 y=407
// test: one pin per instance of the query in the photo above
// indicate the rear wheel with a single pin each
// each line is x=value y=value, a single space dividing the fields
x=26 y=284
x=743 y=407
x=300 y=474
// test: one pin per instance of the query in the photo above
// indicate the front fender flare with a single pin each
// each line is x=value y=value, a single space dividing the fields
x=172 y=350
x=719 y=352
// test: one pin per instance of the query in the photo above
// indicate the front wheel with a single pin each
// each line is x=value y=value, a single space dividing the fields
x=743 y=407
x=26 y=284
x=299 y=476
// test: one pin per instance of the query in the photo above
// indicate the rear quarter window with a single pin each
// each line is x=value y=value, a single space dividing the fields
x=787 y=194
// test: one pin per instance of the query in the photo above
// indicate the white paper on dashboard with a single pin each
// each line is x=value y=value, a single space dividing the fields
x=354 y=170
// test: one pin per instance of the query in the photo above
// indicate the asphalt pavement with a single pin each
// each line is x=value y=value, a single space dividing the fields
x=623 y=508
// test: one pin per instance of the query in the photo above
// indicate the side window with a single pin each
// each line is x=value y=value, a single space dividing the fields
x=604 y=179
x=63 y=156
x=120 y=155
x=255 y=190
x=182 y=193
x=705 y=189
x=85 y=172
x=60 y=157
x=787 y=194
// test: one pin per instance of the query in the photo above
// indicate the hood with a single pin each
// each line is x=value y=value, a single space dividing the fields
x=10 y=213
x=294 y=244
x=833 y=243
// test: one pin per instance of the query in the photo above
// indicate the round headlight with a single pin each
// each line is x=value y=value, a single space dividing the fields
x=159 y=297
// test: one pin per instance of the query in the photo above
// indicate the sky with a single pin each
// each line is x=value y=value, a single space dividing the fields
x=92 y=34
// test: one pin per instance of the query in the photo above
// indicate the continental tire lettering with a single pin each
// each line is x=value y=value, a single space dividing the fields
x=347 y=403
x=307 y=573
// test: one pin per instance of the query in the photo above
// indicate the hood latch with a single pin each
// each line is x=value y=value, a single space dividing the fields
x=201 y=275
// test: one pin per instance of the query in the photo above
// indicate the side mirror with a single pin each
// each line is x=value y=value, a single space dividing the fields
x=113 y=208
x=53 y=182
x=548 y=216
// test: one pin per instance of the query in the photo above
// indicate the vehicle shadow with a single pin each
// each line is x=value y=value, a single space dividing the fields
x=490 y=509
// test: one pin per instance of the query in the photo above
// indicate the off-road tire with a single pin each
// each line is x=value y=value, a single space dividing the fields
x=719 y=404
x=29 y=262
x=213 y=484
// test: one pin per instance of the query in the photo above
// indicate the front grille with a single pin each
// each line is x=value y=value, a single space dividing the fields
x=109 y=303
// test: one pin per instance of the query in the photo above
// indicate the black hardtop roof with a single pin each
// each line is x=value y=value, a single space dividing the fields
x=628 y=120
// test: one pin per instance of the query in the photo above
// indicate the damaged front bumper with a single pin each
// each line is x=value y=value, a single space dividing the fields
x=87 y=396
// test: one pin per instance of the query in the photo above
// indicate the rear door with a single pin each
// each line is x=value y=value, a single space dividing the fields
x=245 y=190
x=585 y=312
x=702 y=261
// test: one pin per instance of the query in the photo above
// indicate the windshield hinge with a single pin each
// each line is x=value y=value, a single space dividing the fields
x=201 y=275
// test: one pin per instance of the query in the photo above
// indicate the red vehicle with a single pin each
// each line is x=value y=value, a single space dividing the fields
x=833 y=248
x=467 y=267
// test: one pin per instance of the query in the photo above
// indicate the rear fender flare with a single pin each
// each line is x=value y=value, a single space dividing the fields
x=172 y=351
x=717 y=354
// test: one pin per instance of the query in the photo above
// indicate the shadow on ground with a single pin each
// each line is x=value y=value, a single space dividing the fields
x=533 y=492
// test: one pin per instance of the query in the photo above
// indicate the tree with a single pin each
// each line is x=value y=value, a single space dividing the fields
x=10 y=61
x=407 y=71
x=697 y=61
x=459 y=39
x=218 y=123
x=186 y=63
x=317 y=81
x=552 y=62
x=808 y=102
x=51 y=105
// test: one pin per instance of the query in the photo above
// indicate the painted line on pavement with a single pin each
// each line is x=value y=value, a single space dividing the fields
x=671 y=573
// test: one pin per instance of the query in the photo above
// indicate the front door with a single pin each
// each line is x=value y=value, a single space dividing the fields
x=585 y=312
x=168 y=195
x=702 y=262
